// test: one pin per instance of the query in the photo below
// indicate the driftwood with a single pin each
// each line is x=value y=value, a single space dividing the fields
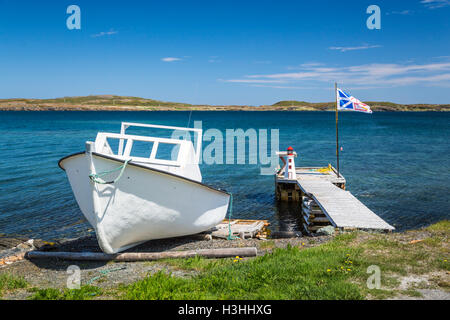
x=144 y=256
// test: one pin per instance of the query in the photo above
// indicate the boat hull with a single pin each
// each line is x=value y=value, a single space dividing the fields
x=144 y=204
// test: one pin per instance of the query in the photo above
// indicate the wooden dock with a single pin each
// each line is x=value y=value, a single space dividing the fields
x=321 y=188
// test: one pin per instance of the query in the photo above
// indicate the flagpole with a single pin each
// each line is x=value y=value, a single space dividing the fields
x=337 y=131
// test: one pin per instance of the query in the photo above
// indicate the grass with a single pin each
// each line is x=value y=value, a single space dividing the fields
x=403 y=258
x=291 y=273
x=84 y=293
x=107 y=100
x=337 y=269
x=9 y=282
x=267 y=244
x=441 y=227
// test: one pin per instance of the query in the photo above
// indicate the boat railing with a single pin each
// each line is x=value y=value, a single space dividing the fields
x=102 y=146
x=198 y=145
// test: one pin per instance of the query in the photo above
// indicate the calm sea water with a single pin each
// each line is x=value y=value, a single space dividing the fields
x=397 y=164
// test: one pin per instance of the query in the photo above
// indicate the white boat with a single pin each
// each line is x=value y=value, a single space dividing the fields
x=130 y=198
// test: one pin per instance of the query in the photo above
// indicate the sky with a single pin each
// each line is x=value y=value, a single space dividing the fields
x=217 y=52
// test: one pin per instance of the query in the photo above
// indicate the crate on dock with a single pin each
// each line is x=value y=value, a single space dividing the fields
x=241 y=228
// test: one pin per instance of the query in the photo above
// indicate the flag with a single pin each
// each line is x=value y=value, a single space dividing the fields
x=349 y=103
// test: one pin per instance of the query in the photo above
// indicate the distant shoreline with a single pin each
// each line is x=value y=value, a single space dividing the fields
x=200 y=110
x=194 y=108
x=119 y=103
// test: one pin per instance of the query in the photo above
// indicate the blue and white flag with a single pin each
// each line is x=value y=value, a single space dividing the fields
x=347 y=102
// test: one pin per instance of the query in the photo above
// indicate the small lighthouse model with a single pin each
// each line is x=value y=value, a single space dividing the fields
x=289 y=172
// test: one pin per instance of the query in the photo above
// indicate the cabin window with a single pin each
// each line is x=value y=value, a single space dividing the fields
x=167 y=151
x=141 y=149
x=111 y=146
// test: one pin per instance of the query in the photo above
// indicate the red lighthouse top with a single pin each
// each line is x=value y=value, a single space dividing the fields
x=290 y=150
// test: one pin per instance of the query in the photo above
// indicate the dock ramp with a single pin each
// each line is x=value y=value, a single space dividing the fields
x=342 y=208
x=326 y=189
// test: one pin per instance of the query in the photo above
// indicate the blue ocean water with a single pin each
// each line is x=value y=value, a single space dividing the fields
x=397 y=164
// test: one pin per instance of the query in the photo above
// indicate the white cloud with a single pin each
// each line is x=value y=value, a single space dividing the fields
x=442 y=57
x=214 y=59
x=104 y=33
x=284 y=87
x=373 y=75
x=252 y=81
x=363 y=47
x=434 y=4
x=170 y=59
x=403 y=12
x=305 y=65
x=311 y=64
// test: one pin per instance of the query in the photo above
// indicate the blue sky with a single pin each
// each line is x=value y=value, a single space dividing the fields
x=227 y=52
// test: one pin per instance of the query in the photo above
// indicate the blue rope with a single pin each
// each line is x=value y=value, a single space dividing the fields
x=104 y=273
x=95 y=176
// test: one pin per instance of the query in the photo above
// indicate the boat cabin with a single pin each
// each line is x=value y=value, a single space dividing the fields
x=177 y=156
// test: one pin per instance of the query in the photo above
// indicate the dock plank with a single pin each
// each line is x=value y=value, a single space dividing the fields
x=342 y=208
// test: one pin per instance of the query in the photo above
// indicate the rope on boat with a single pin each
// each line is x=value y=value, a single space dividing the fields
x=230 y=234
x=95 y=177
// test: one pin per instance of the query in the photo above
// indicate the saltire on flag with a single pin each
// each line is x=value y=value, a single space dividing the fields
x=349 y=103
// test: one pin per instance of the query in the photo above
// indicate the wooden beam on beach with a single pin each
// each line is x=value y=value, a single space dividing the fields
x=144 y=256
